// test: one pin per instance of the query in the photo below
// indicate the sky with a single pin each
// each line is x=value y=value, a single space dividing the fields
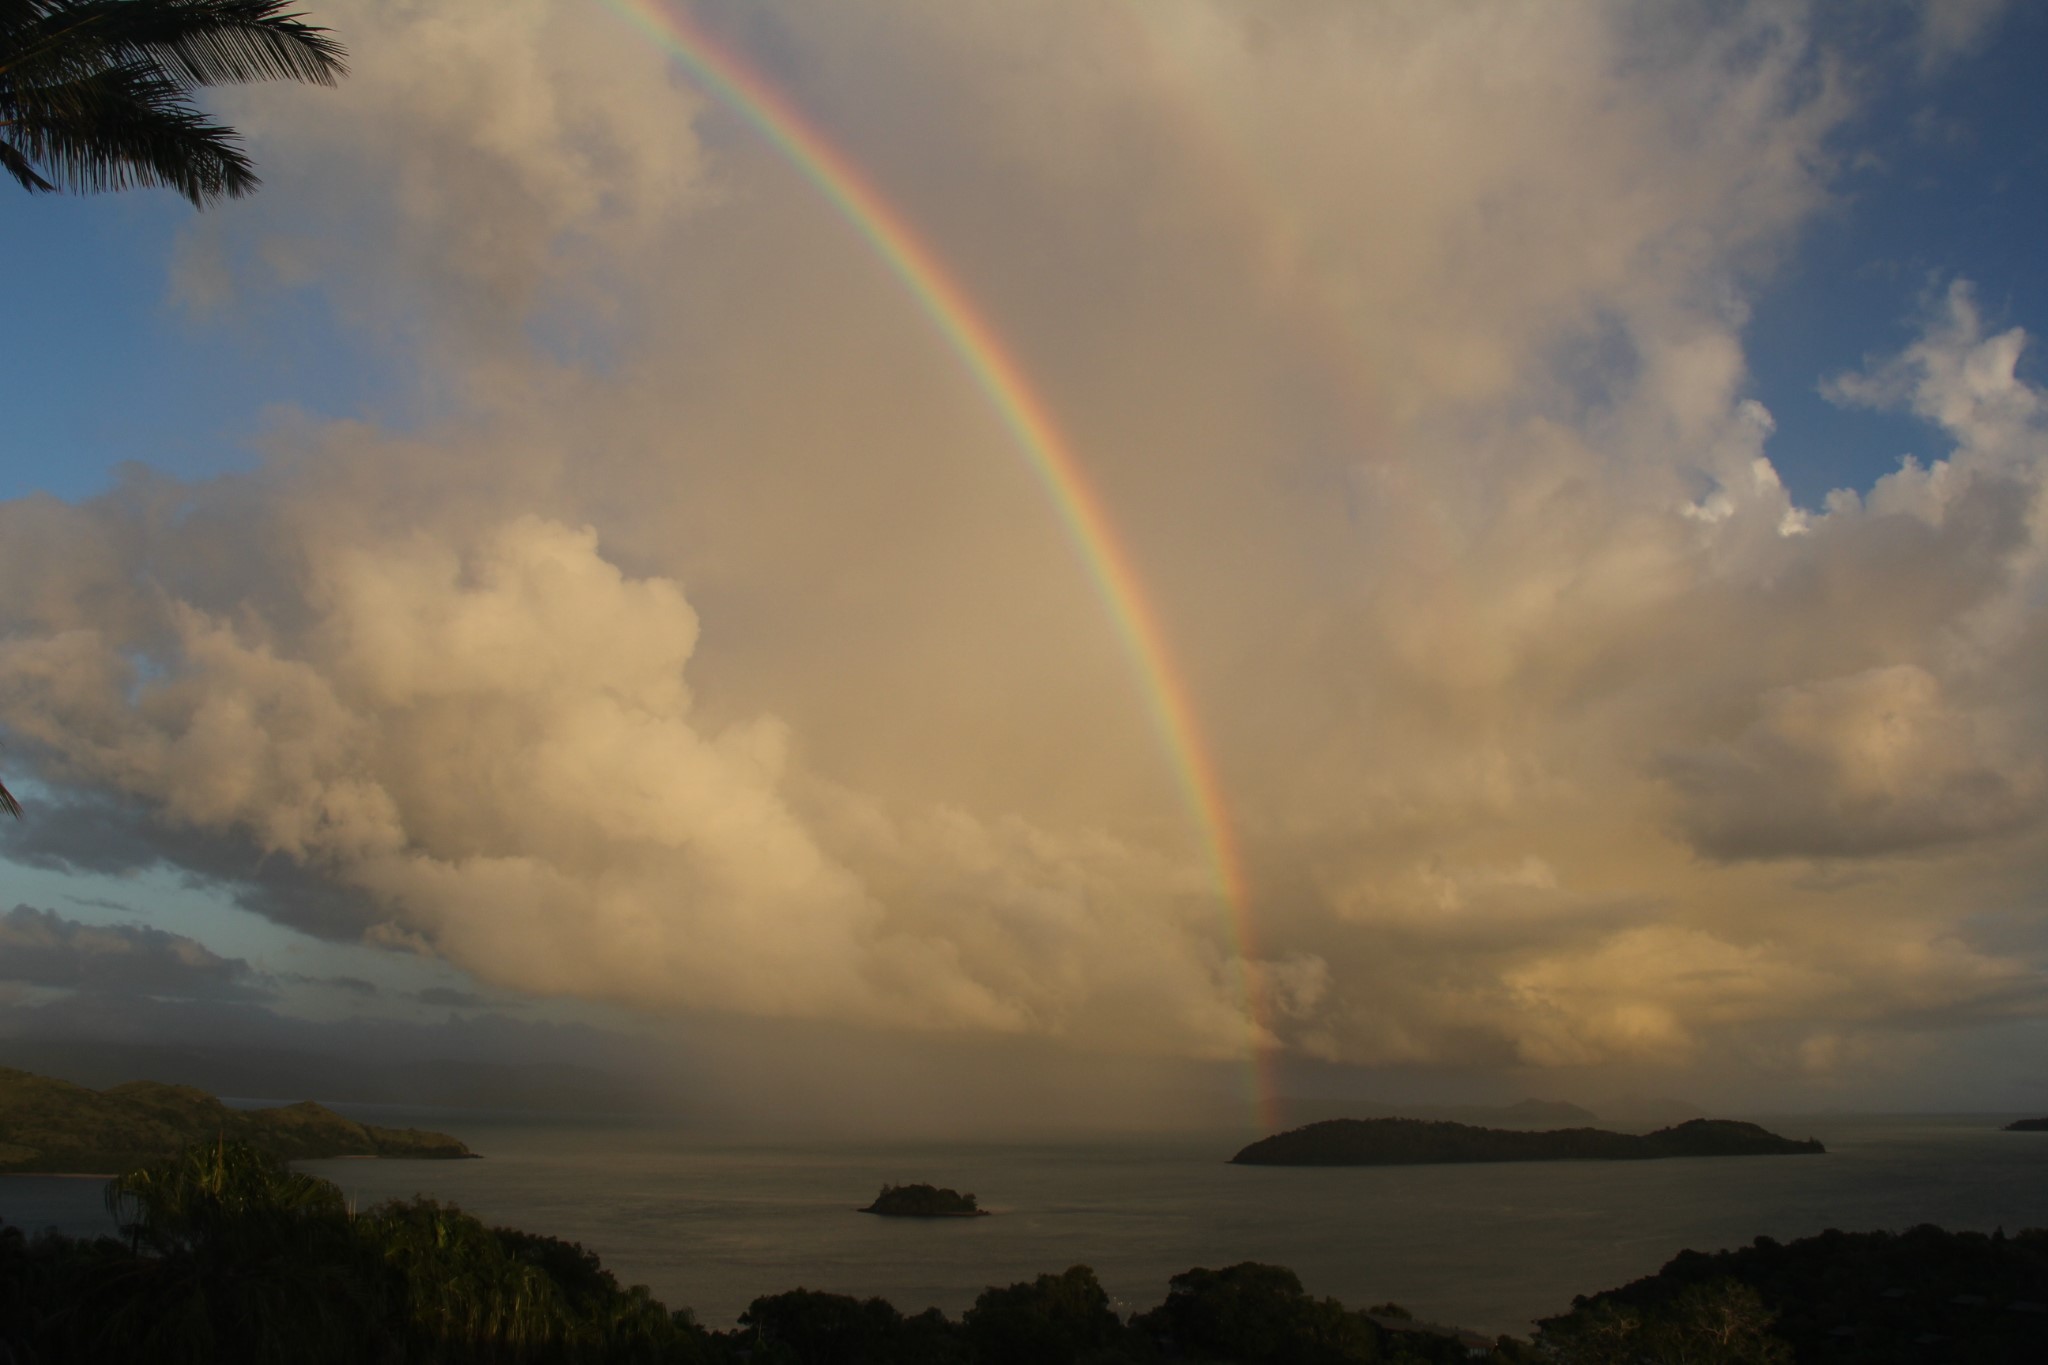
x=1559 y=604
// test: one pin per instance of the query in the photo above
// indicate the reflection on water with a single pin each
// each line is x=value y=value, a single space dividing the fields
x=712 y=1225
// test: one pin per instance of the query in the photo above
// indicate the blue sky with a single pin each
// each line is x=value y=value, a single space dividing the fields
x=1944 y=175
x=1556 y=737
x=113 y=367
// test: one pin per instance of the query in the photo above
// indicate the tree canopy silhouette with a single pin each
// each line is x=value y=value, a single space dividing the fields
x=97 y=94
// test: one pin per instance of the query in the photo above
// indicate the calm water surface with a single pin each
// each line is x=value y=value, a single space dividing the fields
x=713 y=1224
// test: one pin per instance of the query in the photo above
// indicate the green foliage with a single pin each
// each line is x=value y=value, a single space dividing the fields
x=1256 y=1314
x=223 y=1190
x=54 y=1291
x=1723 y=1322
x=816 y=1328
x=632 y=1323
x=1054 y=1317
x=231 y=1256
x=97 y=94
x=1874 y=1298
x=471 y=1293
x=237 y=1258
x=462 y=1293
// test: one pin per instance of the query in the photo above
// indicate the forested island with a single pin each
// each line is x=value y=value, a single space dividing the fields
x=227 y=1257
x=2027 y=1126
x=924 y=1201
x=1419 y=1142
x=49 y=1125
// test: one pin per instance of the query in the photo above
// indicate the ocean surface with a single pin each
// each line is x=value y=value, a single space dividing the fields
x=711 y=1224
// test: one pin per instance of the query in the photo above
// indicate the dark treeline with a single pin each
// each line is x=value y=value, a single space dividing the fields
x=228 y=1256
x=1415 y=1142
x=1875 y=1298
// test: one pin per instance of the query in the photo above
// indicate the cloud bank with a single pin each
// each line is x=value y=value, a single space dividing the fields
x=704 y=646
x=44 y=949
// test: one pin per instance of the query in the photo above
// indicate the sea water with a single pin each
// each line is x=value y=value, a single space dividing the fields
x=711 y=1224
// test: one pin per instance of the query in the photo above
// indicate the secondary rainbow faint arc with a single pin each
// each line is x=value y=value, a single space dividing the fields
x=1030 y=424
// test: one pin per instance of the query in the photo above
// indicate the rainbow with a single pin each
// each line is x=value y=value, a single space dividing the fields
x=1031 y=426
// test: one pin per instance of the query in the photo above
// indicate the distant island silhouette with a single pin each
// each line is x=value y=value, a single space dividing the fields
x=1418 y=1142
x=924 y=1201
x=53 y=1126
x=2027 y=1126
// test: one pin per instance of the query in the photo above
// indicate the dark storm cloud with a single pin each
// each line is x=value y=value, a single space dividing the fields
x=244 y=1047
x=42 y=948
x=103 y=903
x=354 y=985
x=105 y=835
x=453 y=999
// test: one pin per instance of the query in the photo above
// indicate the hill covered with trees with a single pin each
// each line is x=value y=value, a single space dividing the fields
x=52 y=1125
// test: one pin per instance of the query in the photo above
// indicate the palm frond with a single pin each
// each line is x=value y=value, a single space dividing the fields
x=8 y=803
x=215 y=42
x=19 y=166
x=128 y=126
x=95 y=94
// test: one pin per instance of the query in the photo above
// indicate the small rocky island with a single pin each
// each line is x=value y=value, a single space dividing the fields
x=1419 y=1142
x=924 y=1201
x=53 y=1126
x=2027 y=1126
